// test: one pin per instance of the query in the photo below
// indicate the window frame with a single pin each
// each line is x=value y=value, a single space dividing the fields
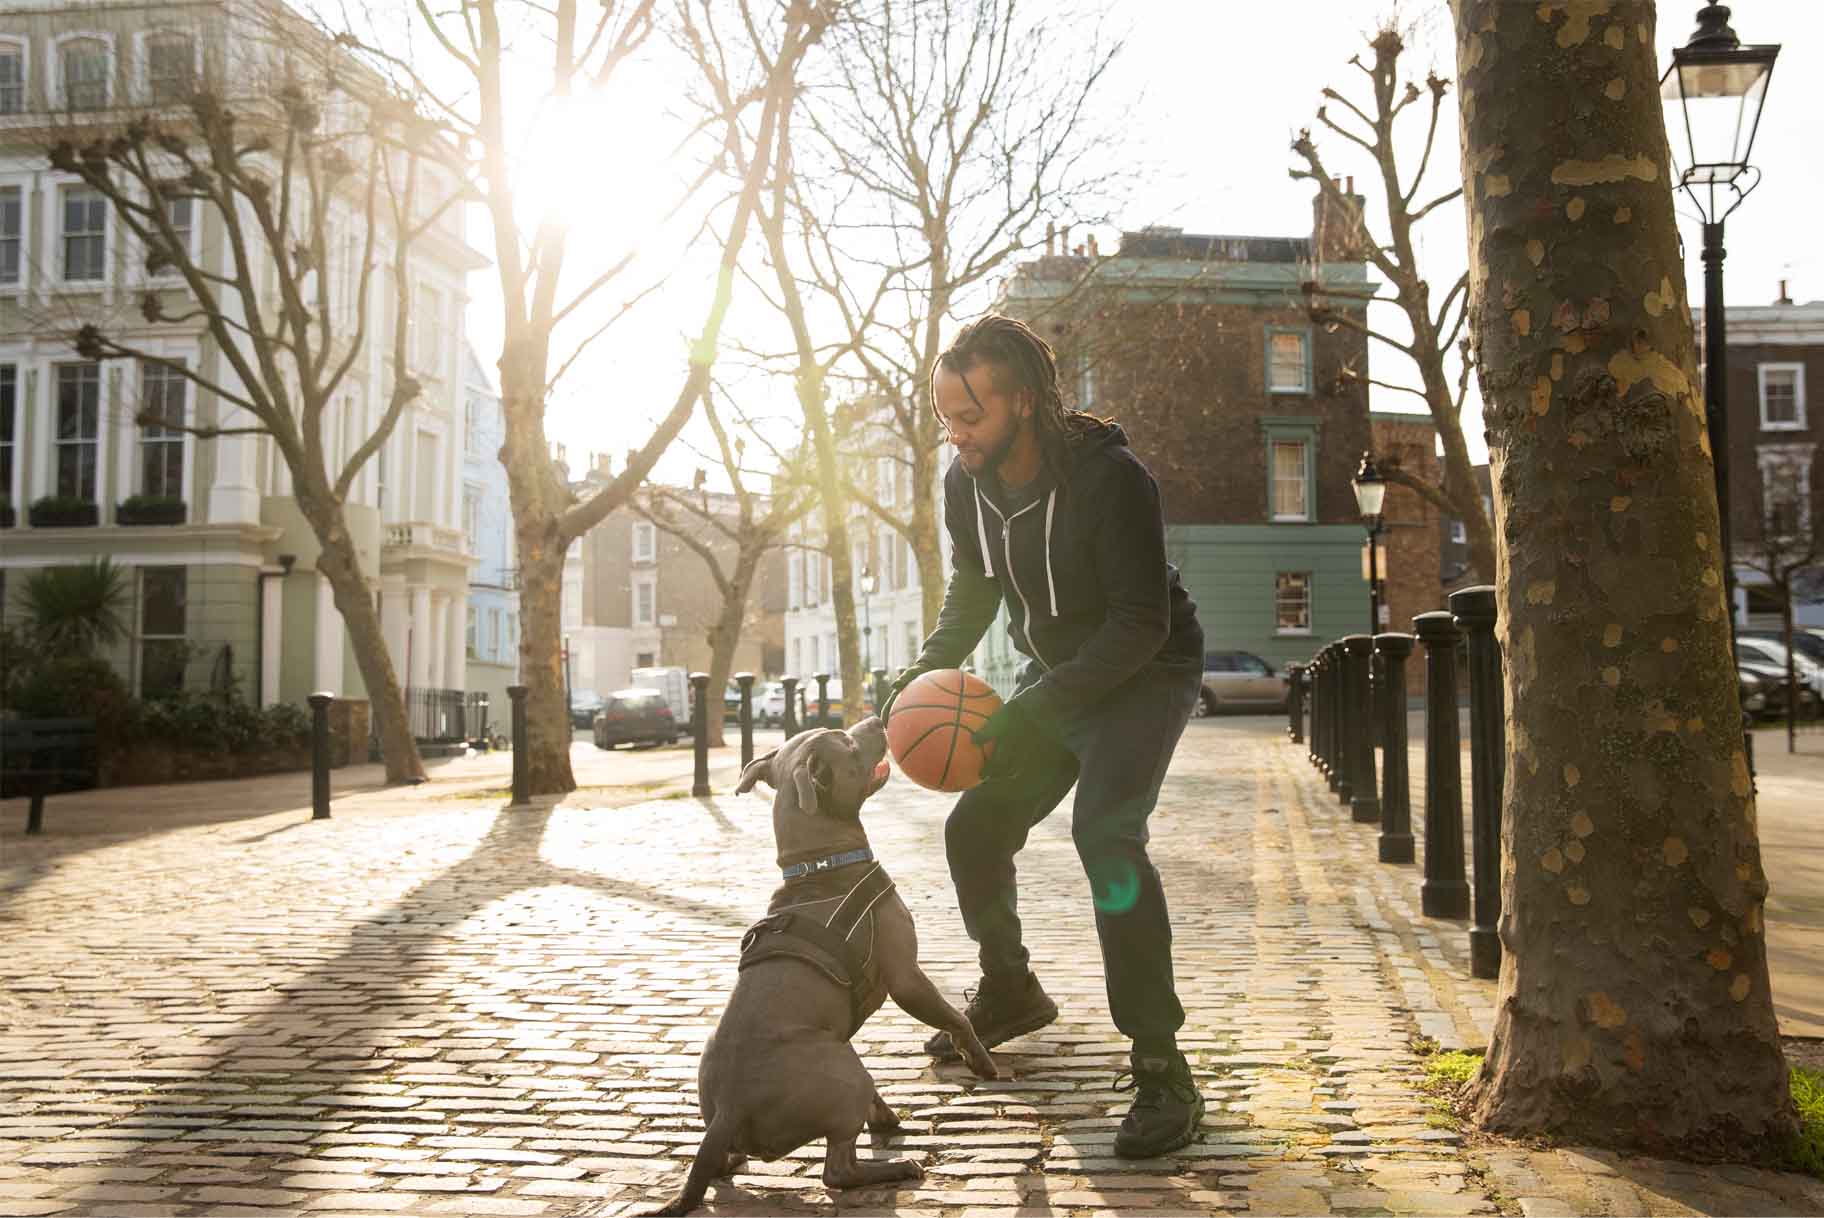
x=1303 y=334
x=1285 y=430
x=648 y=532
x=9 y=437
x=142 y=62
x=1799 y=457
x=23 y=46
x=102 y=280
x=144 y=636
x=650 y=586
x=60 y=86
x=168 y=437
x=1282 y=631
x=22 y=269
x=1799 y=422
x=58 y=443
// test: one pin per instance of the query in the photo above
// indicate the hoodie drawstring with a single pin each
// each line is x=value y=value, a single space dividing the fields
x=981 y=534
x=1051 y=506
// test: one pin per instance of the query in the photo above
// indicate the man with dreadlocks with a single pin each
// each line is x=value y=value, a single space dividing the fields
x=1049 y=510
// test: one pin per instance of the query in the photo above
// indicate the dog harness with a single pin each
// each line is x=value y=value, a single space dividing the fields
x=831 y=942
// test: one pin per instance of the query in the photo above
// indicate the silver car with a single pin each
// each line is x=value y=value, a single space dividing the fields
x=1240 y=680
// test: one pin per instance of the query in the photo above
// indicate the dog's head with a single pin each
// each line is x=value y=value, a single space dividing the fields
x=820 y=779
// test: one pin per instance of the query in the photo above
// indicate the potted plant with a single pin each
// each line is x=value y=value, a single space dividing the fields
x=63 y=511
x=150 y=509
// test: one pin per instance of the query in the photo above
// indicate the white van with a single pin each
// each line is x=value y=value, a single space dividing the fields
x=674 y=683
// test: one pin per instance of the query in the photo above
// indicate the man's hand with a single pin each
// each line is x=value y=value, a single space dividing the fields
x=913 y=672
x=1019 y=735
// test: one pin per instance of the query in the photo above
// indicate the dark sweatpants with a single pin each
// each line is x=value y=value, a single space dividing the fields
x=1117 y=757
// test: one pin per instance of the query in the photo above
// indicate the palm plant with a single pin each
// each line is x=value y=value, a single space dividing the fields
x=72 y=611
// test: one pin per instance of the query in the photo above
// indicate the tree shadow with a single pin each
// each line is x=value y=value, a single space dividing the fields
x=297 y=1077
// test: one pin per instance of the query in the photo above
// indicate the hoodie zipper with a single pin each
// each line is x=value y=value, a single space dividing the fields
x=1007 y=550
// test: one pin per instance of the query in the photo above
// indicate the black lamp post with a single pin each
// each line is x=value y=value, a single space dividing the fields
x=870 y=582
x=1370 y=493
x=1720 y=86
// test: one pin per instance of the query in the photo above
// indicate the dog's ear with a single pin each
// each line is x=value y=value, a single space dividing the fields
x=806 y=785
x=758 y=768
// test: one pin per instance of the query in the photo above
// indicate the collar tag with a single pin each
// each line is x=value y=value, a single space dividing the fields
x=827 y=863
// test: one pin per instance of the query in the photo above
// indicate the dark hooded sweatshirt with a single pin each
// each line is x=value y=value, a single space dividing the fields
x=1081 y=564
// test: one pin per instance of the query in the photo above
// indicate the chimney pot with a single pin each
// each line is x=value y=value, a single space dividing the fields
x=1350 y=187
x=1092 y=245
x=1785 y=296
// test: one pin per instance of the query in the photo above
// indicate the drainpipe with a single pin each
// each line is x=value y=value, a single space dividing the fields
x=259 y=626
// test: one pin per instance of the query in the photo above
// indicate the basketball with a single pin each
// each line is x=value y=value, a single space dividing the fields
x=929 y=727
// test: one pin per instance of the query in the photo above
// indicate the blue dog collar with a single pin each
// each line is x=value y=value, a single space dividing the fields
x=864 y=855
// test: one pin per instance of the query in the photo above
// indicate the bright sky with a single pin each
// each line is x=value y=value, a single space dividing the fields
x=1213 y=94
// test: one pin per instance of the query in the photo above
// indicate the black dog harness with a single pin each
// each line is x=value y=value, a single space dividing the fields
x=831 y=942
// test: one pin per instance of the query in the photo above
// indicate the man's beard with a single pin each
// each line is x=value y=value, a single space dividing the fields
x=991 y=460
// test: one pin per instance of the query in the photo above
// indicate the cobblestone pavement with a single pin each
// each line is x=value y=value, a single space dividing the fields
x=435 y=1006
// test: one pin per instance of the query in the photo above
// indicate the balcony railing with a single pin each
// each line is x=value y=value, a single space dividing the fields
x=424 y=535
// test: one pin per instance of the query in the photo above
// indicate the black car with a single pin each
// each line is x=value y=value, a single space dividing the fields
x=583 y=705
x=1764 y=691
x=635 y=716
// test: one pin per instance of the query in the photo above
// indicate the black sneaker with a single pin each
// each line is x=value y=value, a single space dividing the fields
x=1166 y=1107
x=1000 y=1011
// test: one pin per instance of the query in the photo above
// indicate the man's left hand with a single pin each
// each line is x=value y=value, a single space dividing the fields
x=1019 y=735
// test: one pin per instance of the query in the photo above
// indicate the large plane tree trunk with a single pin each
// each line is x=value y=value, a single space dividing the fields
x=1633 y=1004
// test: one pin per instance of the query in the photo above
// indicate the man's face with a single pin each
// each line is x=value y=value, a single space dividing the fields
x=984 y=425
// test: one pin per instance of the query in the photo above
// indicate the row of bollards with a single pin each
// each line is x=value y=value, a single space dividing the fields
x=1355 y=692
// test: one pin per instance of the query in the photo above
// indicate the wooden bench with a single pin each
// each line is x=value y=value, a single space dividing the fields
x=40 y=757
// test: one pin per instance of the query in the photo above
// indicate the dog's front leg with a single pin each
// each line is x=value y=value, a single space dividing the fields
x=916 y=995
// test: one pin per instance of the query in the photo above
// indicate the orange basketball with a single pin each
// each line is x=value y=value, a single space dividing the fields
x=928 y=729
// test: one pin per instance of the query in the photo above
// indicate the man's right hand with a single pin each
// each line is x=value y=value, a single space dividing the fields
x=912 y=673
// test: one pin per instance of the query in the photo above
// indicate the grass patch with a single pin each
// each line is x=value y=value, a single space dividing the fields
x=1807 y=1151
x=1452 y=1069
x=1445 y=1074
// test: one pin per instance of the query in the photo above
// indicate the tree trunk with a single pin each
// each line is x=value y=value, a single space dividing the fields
x=834 y=503
x=725 y=635
x=355 y=602
x=541 y=665
x=1633 y=1004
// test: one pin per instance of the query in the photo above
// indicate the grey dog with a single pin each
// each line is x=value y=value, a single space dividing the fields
x=779 y=1071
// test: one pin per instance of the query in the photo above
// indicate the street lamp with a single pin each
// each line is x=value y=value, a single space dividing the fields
x=870 y=582
x=1370 y=492
x=1720 y=86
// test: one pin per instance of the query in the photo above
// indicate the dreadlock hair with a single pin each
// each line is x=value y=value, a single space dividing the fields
x=1019 y=360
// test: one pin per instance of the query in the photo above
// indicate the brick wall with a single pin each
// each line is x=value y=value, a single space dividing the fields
x=1414 y=529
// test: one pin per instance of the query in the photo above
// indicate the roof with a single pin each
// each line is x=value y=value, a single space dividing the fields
x=1213 y=247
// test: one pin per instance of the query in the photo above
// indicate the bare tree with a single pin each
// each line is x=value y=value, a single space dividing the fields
x=1433 y=333
x=948 y=134
x=583 y=52
x=1634 y=1005
x=315 y=173
x=1784 y=542
x=733 y=545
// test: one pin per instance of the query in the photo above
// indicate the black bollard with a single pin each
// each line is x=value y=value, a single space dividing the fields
x=1365 y=797
x=1314 y=739
x=746 y=681
x=823 y=698
x=1396 y=788
x=1295 y=703
x=1475 y=616
x=1333 y=773
x=319 y=755
x=483 y=737
x=1346 y=725
x=522 y=780
x=1445 y=893
x=880 y=688
x=699 y=728
x=789 y=724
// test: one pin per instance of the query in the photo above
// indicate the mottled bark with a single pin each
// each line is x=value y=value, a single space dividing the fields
x=1633 y=1004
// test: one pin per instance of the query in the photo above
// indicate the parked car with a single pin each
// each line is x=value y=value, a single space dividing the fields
x=1764 y=690
x=583 y=705
x=769 y=704
x=1807 y=644
x=808 y=715
x=1239 y=680
x=731 y=703
x=1771 y=651
x=635 y=716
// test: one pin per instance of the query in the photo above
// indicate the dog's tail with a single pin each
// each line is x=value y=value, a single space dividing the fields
x=711 y=1162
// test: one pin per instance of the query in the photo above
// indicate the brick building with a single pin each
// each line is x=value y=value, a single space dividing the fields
x=1776 y=352
x=1251 y=418
x=1412 y=538
x=637 y=596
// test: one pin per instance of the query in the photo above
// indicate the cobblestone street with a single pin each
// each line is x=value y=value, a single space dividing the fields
x=430 y=1005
